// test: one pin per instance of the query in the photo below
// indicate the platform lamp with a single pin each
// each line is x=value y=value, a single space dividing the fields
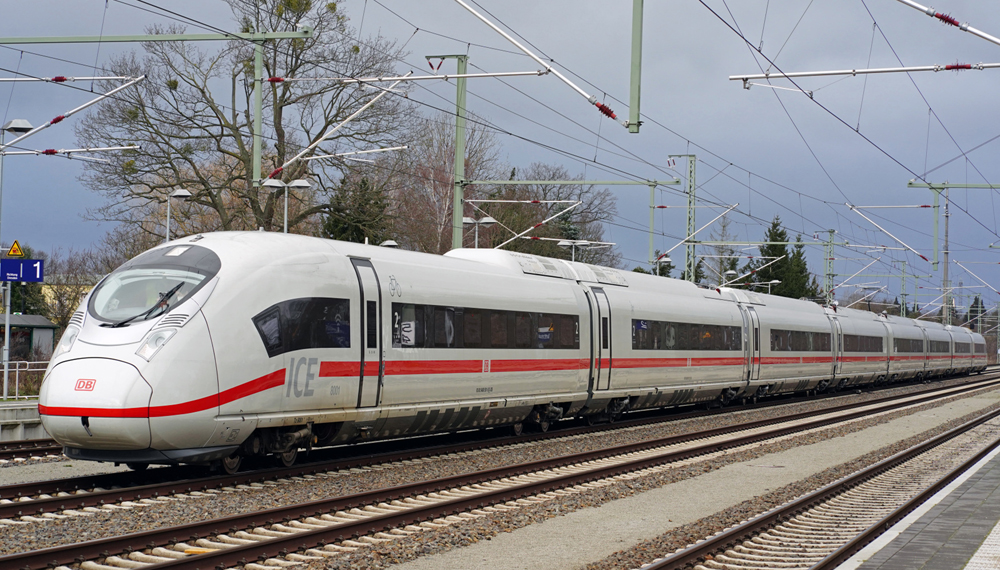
x=17 y=127
x=664 y=258
x=484 y=221
x=275 y=183
x=179 y=193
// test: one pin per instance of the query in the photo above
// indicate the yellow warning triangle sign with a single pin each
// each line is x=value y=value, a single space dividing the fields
x=15 y=250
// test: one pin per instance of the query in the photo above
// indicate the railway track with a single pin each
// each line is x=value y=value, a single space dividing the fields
x=28 y=448
x=30 y=502
x=823 y=529
x=317 y=529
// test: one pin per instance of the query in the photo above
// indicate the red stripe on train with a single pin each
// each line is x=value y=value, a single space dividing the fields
x=250 y=388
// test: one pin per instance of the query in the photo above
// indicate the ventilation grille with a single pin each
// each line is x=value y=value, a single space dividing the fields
x=77 y=319
x=172 y=321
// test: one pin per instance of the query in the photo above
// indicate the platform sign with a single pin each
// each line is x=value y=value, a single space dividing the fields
x=32 y=270
x=15 y=250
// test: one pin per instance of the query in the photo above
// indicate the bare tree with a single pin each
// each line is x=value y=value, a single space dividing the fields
x=424 y=188
x=585 y=222
x=192 y=118
x=725 y=255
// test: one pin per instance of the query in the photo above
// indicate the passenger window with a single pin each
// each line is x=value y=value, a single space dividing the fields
x=473 y=330
x=498 y=329
x=522 y=330
x=444 y=327
x=604 y=332
x=371 y=323
x=299 y=324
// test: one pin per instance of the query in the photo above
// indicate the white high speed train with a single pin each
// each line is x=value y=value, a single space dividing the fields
x=216 y=347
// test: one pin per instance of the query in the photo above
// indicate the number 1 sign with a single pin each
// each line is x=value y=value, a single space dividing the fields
x=32 y=270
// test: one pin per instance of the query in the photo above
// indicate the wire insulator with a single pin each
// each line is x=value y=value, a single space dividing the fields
x=605 y=110
x=275 y=79
x=535 y=237
x=536 y=201
x=947 y=19
x=57 y=119
x=958 y=66
x=49 y=151
x=537 y=225
x=275 y=173
x=58 y=79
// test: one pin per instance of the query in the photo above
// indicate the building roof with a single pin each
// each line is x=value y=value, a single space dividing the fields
x=28 y=321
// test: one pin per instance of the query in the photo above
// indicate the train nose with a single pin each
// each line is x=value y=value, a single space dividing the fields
x=97 y=403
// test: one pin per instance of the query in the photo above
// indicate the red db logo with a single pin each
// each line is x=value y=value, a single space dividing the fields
x=85 y=385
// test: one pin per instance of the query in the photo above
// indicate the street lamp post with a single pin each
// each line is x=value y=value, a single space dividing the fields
x=664 y=258
x=768 y=283
x=275 y=183
x=179 y=193
x=484 y=221
x=16 y=126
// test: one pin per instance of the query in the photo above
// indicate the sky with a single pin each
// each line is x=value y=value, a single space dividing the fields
x=856 y=139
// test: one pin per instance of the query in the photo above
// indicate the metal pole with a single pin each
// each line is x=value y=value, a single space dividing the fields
x=477 y=234
x=652 y=210
x=258 y=88
x=458 y=205
x=689 y=254
x=633 y=101
x=6 y=342
x=945 y=284
x=285 y=224
x=828 y=275
x=168 y=219
x=6 y=339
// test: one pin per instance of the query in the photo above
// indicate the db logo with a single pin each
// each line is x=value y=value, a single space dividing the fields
x=85 y=385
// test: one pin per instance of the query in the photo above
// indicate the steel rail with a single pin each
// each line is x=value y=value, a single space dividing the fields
x=67 y=554
x=28 y=448
x=165 y=488
x=692 y=554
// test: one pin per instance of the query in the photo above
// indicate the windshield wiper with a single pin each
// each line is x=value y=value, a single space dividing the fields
x=161 y=304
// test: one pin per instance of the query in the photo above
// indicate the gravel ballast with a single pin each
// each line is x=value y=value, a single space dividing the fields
x=40 y=535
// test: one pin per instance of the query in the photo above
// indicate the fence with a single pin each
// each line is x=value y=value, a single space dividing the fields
x=24 y=378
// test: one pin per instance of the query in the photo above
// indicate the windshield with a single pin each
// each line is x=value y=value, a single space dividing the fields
x=152 y=283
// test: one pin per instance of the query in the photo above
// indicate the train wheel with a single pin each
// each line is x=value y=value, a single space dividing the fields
x=543 y=426
x=288 y=458
x=517 y=429
x=137 y=466
x=232 y=463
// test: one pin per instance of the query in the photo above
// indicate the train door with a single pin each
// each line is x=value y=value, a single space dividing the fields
x=838 y=346
x=370 y=381
x=591 y=311
x=603 y=339
x=755 y=344
x=747 y=343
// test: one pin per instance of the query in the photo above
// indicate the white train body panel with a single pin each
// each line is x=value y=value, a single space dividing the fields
x=235 y=342
x=861 y=346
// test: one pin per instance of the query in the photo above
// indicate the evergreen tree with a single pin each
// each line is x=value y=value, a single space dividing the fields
x=699 y=272
x=789 y=265
x=976 y=311
x=662 y=269
x=358 y=210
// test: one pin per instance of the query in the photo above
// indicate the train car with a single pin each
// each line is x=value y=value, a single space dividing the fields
x=861 y=347
x=797 y=345
x=908 y=358
x=216 y=347
x=939 y=349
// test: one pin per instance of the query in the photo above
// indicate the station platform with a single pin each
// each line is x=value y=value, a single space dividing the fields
x=20 y=420
x=958 y=528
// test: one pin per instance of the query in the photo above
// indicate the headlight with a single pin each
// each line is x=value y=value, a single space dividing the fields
x=154 y=342
x=66 y=342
